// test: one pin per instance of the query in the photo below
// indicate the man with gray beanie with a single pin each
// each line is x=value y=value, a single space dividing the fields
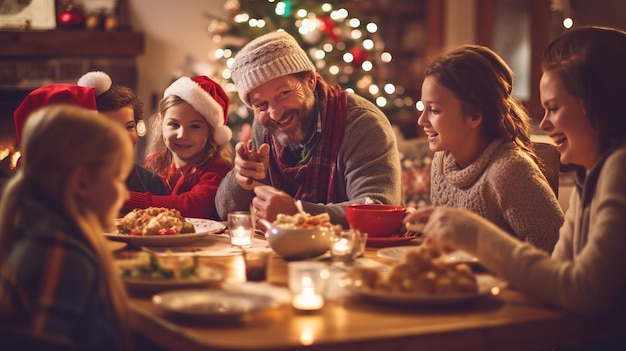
x=310 y=141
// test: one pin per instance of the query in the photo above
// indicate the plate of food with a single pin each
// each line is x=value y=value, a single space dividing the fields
x=151 y=273
x=396 y=253
x=422 y=277
x=486 y=285
x=155 y=226
x=212 y=305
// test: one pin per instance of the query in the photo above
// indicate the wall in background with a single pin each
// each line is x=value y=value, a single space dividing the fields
x=175 y=35
x=459 y=23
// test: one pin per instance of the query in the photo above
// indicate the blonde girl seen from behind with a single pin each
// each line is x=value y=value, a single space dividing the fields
x=67 y=192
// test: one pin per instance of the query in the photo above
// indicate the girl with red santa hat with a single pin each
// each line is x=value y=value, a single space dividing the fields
x=190 y=148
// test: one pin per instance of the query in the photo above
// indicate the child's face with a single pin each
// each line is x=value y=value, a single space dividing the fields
x=106 y=192
x=566 y=122
x=185 y=133
x=443 y=119
x=125 y=116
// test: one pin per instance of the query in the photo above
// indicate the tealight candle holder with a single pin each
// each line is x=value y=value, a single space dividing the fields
x=307 y=282
x=347 y=245
x=342 y=247
x=240 y=228
x=360 y=240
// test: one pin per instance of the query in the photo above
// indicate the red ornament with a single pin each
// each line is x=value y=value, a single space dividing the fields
x=328 y=28
x=70 y=17
x=359 y=56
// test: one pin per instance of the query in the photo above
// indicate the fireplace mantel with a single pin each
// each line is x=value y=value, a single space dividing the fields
x=30 y=59
x=70 y=43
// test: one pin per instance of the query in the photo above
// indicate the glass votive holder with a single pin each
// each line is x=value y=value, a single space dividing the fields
x=360 y=240
x=307 y=283
x=240 y=228
x=342 y=246
x=256 y=261
x=347 y=245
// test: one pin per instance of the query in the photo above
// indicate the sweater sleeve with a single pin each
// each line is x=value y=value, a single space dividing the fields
x=563 y=249
x=232 y=197
x=593 y=282
x=368 y=163
x=198 y=202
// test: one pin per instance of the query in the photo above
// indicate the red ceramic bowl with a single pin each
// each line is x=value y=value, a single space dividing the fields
x=375 y=219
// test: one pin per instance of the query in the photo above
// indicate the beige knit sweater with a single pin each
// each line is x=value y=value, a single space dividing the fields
x=503 y=185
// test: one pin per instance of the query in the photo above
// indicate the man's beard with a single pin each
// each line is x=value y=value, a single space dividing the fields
x=305 y=117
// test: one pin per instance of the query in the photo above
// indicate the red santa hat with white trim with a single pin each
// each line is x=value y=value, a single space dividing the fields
x=98 y=80
x=49 y=95
x=208 y=99
x=82 y=94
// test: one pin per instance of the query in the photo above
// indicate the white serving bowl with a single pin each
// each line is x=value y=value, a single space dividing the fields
x=298 y=243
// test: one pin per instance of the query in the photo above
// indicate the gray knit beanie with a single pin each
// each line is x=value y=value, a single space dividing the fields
x=269 y=56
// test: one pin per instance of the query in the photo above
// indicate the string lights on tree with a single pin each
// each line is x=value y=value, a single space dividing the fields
x=346 y=50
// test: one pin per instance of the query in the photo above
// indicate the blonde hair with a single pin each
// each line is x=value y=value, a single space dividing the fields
x=160 y=157
x=57 y=140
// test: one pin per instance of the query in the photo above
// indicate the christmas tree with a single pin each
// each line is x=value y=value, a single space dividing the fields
x=346 y=50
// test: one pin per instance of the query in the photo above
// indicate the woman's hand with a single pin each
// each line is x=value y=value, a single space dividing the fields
x=414 y=221
x=449 y=228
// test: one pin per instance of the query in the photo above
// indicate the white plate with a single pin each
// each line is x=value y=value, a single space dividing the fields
x=487 y=285
x=210 y=304
x=204 y=276
x=396 y=253
x=203 y=227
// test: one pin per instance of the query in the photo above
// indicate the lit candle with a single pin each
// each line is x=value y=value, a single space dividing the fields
x=342 y=247
x=240 y=237
x=307 y=299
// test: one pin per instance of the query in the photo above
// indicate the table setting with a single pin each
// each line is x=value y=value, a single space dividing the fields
x=302 y=239
x=290 y=311
x=272 y=292
x=316 y=257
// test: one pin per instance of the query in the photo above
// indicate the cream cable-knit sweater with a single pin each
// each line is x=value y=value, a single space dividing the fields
x=503 y=185
x=586 y=271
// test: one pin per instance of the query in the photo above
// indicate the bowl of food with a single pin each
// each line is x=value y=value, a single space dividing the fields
x=377 y=220
x=299 y=236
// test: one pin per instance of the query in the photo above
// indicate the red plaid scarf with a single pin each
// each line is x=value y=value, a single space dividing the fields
x=314 y=181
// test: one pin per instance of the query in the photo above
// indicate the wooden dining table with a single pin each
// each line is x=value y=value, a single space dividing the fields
x=509 y=320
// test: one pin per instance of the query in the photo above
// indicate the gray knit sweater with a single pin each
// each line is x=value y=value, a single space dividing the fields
x=503 y=185
x=368 y=165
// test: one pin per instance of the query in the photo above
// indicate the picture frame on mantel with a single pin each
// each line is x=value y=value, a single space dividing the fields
x=33 y=14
